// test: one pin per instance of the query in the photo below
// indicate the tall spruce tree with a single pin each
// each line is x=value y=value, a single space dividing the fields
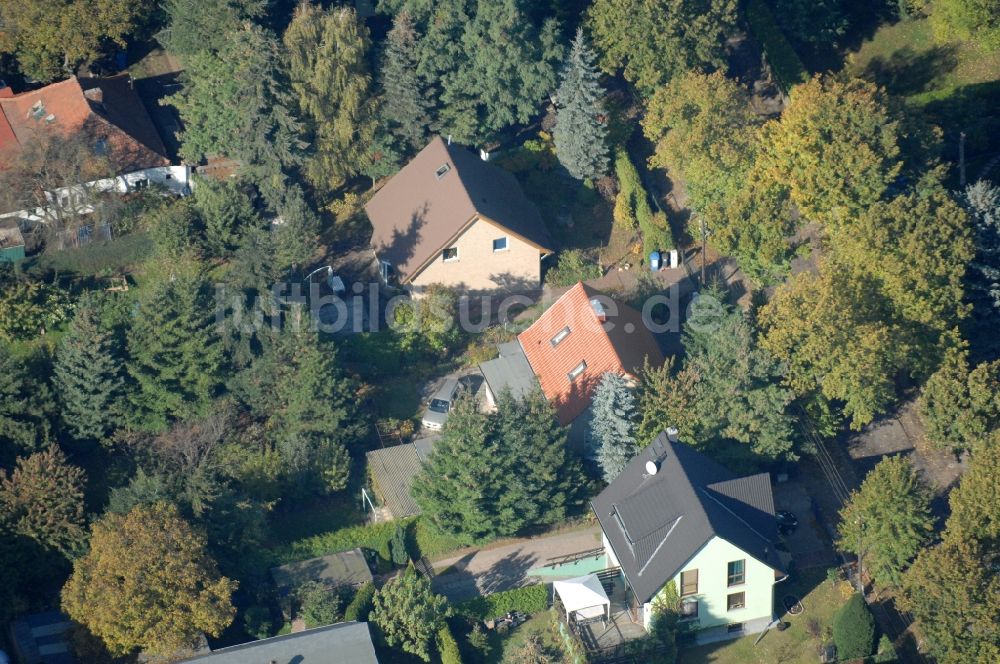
x=26 y=406
x=175 y=355
x=226 y=210
x=982 y=201
x=201 y=25
x=405 y=107
x=580 y=135
x=88 y=376
x=614 y=424
x=328 y=67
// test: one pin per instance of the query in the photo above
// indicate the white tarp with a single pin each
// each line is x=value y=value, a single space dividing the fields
x=584 y=594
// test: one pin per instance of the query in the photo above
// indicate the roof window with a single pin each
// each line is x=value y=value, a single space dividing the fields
x=442 y=171
x=577 y=371
x=560 y=335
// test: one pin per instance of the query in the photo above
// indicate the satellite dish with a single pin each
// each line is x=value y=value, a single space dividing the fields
x=652 y=467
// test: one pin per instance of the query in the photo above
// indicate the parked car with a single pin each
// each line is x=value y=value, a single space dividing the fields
x=436 y=413
x=787 y=522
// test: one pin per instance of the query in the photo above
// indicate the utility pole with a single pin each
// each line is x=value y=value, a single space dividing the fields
x=961 y=158
x=704 y=239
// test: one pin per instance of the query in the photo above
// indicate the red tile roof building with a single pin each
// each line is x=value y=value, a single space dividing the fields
x=583 y=335
x=108 y=108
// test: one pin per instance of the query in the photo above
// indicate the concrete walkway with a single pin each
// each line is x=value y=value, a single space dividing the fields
x=490 y=570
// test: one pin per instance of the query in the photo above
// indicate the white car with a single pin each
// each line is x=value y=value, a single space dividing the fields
x=436 y=413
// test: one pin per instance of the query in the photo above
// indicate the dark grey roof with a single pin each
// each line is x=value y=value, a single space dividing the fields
x=343 y=643
x=346 y=568
x=510 y=371
x=656 y=523
x=393 y=469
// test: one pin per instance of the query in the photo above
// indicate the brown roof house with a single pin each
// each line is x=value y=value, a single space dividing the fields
x=450 y=218
x=108 y=115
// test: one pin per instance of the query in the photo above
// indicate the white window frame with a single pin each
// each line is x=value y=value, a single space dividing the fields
x=505 y=247
x=577 y=371
x=445 y=258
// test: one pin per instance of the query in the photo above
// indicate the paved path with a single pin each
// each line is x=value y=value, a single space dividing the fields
x=506 y=566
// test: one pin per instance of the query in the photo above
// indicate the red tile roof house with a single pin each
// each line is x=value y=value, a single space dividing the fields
x=582 y=336
x=109 y=112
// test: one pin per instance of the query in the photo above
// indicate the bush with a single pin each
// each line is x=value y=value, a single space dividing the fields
x=854 y=629
x=397 y=547
x=95 y=258
x=361 y=604
x=530 y=599
x=572 y=266
x=318 y=605
x=785 y=63
x=633 y=203
x=447 y=646
x=479 y=641
x=431 y=541
x=374 y=537
x=257 y=622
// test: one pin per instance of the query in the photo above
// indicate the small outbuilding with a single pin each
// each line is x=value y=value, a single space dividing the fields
x=392 y=471
x=337 y=570
x=11 y=241
x=583 y=598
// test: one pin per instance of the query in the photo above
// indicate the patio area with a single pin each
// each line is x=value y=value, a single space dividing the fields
x=601 y=635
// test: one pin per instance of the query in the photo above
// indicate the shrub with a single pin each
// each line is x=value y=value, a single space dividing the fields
x=785 y=63
x=431 y=541
x=257 y=622
x=529 y=599
x=572 y=266
x=854 y=629
x=374 y=537
x=397 y=546
x=318 y=605
x=447 y=646
x=655 y=230
x=361 y=604
x=479 y=641
x=886 y=653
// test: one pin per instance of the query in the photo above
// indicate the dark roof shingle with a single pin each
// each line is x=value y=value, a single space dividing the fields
x=656 y=523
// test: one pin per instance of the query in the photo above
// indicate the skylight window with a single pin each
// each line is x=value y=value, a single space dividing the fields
x=577 y=371
x=442 y=171
x=560 y=335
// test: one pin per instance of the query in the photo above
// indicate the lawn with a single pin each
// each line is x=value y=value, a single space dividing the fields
x=543 y=625
x=799 y=643
x=955 y=83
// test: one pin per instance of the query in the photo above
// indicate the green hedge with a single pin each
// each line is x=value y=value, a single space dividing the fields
x=373 y=536
x=854 y=629
x=655 y=230
x=786 y=64
x=529 y=599
x=96 y=258
x=361 y=605
x=447 y=646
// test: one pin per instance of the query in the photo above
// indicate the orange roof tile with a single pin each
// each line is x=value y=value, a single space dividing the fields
x=619 y=343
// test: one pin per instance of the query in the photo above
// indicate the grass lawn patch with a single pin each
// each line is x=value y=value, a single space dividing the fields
x=797 y=644
x=956 y=84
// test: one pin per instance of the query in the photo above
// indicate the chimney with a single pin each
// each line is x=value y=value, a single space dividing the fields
x=6 y=92
x=673 y=435
x=484 y=155
x=599 y=311
x=95 y=95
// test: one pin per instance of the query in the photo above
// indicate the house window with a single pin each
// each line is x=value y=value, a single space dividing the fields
x=442 y=171
x=560 y=335
x=450 y=254
x=735 y=601
x=689 y=582
x=500 y=244
x=576 y=371
x=735 y=628
x=101 y=147
x=689 y=608
x=735 y=575
x=141 y=184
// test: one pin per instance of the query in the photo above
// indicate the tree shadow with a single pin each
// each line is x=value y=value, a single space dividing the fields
x=907 y=72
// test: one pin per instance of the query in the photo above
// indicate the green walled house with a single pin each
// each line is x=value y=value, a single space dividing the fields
x=675 y=515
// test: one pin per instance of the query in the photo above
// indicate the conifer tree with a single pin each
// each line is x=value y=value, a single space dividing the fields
x=26 y=406
x=88 y=376
x=614 y=424
x=580 y=135
x=43 y=499
x=225 y=210
x=409 y=613
x=328 y=51
x=175 y=355
x=405 y=105
x=982 y=201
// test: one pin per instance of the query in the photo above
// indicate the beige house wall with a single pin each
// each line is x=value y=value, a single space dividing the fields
x=479 y=268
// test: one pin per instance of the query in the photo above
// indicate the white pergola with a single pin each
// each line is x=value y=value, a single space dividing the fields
x=583 y=596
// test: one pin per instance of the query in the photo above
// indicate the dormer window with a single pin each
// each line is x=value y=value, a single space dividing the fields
x=560 y=335
x=442 y=171
x=577 y=371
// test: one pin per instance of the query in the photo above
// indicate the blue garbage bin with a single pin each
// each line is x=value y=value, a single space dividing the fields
x=654 y=261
